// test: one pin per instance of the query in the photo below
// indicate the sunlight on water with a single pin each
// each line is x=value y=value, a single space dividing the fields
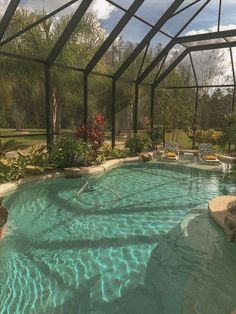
x=136 y=240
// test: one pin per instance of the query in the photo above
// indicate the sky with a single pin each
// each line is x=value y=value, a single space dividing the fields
x=151 y=10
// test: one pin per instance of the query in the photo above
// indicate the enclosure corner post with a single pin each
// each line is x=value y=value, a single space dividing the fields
x=48 y=108
x=195 y=119
x=113 y=114
x=152 y=110
x=136 y=100
x=85 y=101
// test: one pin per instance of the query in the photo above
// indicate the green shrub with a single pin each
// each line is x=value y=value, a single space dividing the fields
x=36 y=155
x=70 y=152
x=11 y=169
x=208 y=136
x=6 y=147
x=138 y=143
x=112 y=153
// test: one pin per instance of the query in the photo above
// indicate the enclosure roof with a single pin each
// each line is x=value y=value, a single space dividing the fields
x=179 y=27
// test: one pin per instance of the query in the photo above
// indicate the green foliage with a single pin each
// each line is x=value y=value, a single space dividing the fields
x=138 y=143
x=229 y=134
x=10 y=169
x=112 y=153
x=33 y=162
x=70 y=152
x=36 y=155
x=208 y=136
x=109 y=153
x=6 y=147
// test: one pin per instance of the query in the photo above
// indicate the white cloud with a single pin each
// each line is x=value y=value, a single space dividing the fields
x=101 y=8
x=213 y=67
x=211 y=29
x=3 y=6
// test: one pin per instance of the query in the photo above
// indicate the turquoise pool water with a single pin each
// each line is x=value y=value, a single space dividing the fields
x=139 y=242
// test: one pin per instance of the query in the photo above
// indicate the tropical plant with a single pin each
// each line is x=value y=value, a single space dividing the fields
x=208 y=136
x=10 y=169
x=6 y=147
x=70 y=152
x=94 y=132
x=36 y=155
x=112 y=153
x=138 y=143
x=229 y=134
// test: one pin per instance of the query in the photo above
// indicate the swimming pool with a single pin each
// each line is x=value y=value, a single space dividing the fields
x=138 y=241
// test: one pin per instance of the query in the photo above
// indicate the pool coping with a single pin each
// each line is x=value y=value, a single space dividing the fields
x=92 y=170
x=227 y=159
x=217 y=208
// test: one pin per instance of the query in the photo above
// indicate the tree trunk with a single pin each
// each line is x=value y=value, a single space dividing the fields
x=173 y=136
x=56 y=111
x=164 y=137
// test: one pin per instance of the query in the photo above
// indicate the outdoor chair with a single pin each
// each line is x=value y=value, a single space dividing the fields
x=206 y=154
x=171 y=152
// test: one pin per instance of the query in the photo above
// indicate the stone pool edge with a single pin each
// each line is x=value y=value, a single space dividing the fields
x=217 y=209
x=92 y=170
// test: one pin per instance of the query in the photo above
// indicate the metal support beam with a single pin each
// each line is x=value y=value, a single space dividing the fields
x=198 y=86
x=155 y=62
x=20 y=57
x=219 y=15
x=152 y=109
x=206 y=36
x=161 y=67
x=143 y=60
x=232 y=64
x=29 y=27
x=85 y=101
x=213 y=46
x=48 y=110
x=193 y=68
x=113 y=114
x=148 y=38
x=168 y=47
x=136 y=101
x=233 y=102
x=138 y=18
x=194 y=48
x=185 y=8
x=6 y=19
x=70 y=27
x=195 y=118
x=113 y=35
x=171 y=67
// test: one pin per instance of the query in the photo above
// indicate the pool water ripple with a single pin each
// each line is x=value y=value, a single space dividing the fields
x=133 y=245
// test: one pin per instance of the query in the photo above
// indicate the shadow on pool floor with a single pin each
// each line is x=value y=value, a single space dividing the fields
x=186 y=274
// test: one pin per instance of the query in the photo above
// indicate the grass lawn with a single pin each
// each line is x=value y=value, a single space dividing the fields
x=21 y=140
x=24 y=141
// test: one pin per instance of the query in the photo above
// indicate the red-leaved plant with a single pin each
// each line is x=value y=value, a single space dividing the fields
x=94 y=132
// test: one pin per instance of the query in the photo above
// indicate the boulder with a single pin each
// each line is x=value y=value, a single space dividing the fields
x=72 y=172
x=231 y=207
x=146 y=156
x=3 y=216
x=230 y=227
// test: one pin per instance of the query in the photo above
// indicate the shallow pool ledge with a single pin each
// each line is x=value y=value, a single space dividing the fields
x=218 y=211
x=227 y=159
x=107 y=165
x=93 y=170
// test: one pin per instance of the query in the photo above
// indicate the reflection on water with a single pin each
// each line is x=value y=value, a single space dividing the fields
x=131 y=245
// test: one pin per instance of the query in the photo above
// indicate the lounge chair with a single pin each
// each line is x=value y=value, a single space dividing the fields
x=206 y=154
x=171 y=152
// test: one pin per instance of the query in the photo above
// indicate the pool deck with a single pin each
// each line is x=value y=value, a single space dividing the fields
x=218 y=209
